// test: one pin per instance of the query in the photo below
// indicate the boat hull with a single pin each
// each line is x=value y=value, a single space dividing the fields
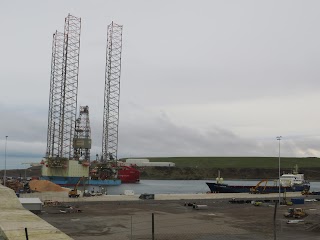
x=225 y=188
x=72 y=181
x=129 y=174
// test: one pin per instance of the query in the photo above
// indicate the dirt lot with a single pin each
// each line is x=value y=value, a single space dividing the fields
x=173 y=220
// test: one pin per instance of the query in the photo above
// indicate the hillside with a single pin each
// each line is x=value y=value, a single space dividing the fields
x=231 y=167
x=29 y=172
x=240 y=162
x=178 y=173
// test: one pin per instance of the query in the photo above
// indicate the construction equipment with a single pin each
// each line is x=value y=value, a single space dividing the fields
x=305 y=192
x=86 y=193
x=74 y=192
x=295 y=213
x=256 y=203
x=258 y=189
x=285 y=201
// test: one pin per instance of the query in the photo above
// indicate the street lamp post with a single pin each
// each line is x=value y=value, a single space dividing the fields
x=279 y=139
x=5 y=162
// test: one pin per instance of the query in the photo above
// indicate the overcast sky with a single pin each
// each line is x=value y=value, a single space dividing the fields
x=199 y=78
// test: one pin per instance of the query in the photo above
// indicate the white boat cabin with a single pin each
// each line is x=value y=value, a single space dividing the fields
x=291 y=179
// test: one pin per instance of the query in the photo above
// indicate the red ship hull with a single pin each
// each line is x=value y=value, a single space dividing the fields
x=129 y=174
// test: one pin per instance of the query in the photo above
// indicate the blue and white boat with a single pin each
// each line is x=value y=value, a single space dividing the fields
x=290 y=182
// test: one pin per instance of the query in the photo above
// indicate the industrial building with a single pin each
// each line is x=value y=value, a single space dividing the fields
x=146 y=163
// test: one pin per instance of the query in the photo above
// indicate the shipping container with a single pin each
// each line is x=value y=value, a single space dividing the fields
x=297 y=200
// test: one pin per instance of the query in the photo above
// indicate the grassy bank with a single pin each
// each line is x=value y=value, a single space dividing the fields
x=193 y=168
x=240 y=162
x=178 y=173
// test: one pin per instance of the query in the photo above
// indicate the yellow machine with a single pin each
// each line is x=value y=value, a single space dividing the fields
x=257 y=188
x=74 y=192
x=306 y=192
x=295 y=213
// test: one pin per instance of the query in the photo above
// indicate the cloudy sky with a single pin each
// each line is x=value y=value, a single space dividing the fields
x=199 y=78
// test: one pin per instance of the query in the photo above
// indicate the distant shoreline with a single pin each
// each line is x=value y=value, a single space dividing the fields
x=194 y=173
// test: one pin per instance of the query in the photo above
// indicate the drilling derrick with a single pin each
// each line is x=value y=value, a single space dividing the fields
x=82 y=138
x=112 y=93
x=63 y=92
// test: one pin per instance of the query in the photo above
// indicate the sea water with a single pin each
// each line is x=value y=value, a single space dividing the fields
x=175 y=186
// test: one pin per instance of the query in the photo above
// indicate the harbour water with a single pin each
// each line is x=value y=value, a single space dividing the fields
x=175 y=186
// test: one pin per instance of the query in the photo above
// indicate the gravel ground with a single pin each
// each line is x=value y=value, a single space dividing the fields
x=132 y=220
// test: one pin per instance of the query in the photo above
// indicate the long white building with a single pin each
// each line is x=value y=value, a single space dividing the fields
x=144 y=162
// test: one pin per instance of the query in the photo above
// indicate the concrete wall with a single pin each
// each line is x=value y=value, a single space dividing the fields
x=14 y=219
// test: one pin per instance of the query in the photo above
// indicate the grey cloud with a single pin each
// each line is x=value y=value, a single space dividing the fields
x=165 y=138
x=176 y=54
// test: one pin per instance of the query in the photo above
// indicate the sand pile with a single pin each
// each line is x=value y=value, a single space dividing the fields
x=45 y=186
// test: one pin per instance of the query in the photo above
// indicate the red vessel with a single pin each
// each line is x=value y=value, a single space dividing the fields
x=128 y=174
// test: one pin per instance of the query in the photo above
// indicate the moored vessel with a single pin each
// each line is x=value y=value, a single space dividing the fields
x=290 y=182
x=128 y=174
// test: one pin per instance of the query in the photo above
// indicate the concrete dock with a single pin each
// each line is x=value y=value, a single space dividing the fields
x=14 y=219
x=63 y=196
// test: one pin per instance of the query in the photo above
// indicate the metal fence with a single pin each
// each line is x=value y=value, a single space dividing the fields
x=175 y=227
x=188 y=224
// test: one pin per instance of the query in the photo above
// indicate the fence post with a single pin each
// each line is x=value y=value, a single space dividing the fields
x=274 y=221
x=152 y=226
x=131 y=227
x=26 y=231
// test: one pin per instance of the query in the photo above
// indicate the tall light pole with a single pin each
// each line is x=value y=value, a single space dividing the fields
x=5 y=162
x=279 y=139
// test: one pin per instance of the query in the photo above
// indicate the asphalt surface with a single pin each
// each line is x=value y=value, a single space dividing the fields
x=178 y=219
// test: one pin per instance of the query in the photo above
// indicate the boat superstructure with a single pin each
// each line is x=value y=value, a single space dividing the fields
x=293 y=179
